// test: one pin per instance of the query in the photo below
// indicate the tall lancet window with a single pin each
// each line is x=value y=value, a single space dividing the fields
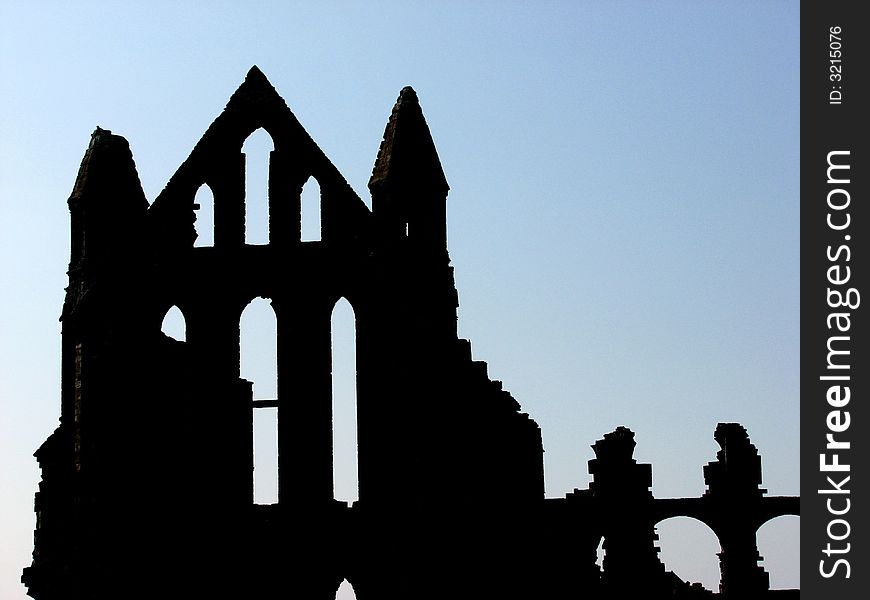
x=311 y=211
x=258 y=354
x=203 y=206
x=256 y=149
x=344 y=419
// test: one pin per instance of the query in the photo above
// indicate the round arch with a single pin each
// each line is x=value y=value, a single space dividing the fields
x=778 y=543
x=689 y=548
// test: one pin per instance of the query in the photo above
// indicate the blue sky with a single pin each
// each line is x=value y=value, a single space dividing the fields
x=623 y=214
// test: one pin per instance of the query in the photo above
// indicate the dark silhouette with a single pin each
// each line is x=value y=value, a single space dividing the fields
x=147 y=486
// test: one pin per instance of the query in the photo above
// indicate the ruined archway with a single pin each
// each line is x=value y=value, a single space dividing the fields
x=469 y=481
x=689 y=548
x=779 y=545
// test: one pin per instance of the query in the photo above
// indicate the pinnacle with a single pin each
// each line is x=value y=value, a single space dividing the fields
x=408 y=95
x=255 y=73
x=256 y=88
x=257 y=79
x=407 y=151
x=108 y=174
x=97 y=136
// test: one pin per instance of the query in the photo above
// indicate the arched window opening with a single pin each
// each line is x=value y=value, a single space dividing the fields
x=203 y=206
x=690 y=549
x=258 y=363
x=174 y=325
x=258 y=348
x=344 y=419
x=256 y=149
x=778 y=543
x=345 y=591
x=310 y=204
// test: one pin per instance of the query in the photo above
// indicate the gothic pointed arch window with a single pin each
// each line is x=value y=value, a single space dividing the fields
x=203 y=206
x=257 y=149
x=345 y=591
x=174 y=325
x=258 y=363
x=310 y=204
x=345 y=469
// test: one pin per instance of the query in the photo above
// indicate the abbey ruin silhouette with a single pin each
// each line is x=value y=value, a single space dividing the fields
x=147 y=486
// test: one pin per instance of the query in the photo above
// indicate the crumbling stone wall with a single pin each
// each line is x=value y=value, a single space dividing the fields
x=147 y=482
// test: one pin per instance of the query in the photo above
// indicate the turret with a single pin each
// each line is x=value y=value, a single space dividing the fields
x=408 y=187
x=106 y=206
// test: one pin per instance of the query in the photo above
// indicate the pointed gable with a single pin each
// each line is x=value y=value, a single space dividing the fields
x=217 y=161
x=253 y=105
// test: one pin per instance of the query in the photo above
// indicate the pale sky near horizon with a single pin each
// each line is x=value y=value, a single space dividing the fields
x=623 y=214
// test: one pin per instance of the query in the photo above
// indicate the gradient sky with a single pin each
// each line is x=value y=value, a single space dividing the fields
x=623 y=213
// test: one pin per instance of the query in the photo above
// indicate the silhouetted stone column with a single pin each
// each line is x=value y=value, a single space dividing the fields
x=227 y=182
x=221 y=406
x=366 y=394
x=621 y=489
x=387 y=406
x=285 y=191
x=305 y=402
x=741 y=574
x=733 y=482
